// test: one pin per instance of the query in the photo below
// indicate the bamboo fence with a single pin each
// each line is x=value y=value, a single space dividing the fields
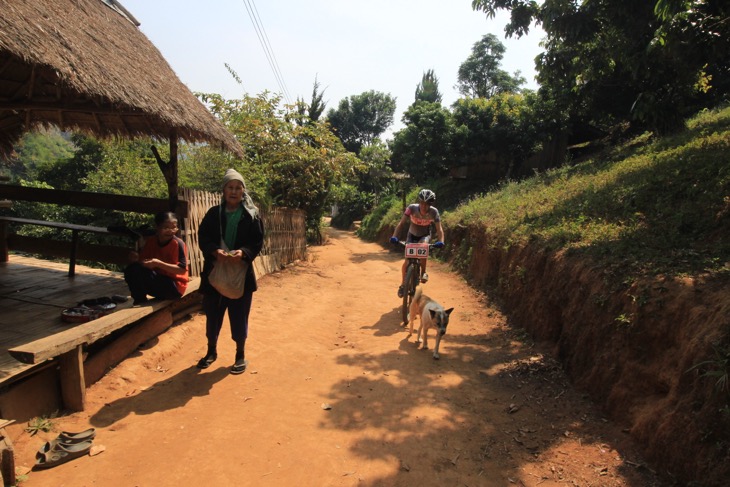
x=284 y=233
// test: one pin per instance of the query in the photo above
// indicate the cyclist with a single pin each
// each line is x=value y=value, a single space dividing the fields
x=420 y=215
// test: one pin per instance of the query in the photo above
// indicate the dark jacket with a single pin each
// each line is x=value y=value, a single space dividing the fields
x=249 y=239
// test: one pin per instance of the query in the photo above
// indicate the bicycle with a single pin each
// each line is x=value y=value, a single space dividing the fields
x=414 y=253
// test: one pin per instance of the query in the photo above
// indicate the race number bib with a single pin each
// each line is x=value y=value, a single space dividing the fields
x=417 y=250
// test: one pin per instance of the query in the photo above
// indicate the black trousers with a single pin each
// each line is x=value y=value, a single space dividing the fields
x=143 y=282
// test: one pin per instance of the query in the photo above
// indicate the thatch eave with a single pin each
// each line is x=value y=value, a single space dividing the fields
x=81 y=65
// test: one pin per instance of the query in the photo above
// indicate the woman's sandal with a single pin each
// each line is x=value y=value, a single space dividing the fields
x=62 y=453
x=239 y=367
x=67 y=438
x=205 y=362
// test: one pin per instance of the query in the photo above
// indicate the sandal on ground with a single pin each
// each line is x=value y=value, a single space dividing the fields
x=61 y=453
x=66 y=438
x=239 y=367
x=205 y=362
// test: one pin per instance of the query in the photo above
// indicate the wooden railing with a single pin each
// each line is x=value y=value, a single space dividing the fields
x=284 y=229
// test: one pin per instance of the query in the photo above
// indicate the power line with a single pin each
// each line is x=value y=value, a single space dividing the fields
x=266 y=45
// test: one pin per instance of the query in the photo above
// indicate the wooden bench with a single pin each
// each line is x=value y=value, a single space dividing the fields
x=75 y=230
x=149 y=321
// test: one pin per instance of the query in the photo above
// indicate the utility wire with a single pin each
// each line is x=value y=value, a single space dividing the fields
x=266 y=45
x=273 y=54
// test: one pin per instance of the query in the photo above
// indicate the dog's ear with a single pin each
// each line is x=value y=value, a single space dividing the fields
x=448 y=311
x=433 y=312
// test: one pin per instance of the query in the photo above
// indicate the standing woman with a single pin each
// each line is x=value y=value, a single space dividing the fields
x=235 y=223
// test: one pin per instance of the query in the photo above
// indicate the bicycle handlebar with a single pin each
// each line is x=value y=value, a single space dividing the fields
x=403 y=244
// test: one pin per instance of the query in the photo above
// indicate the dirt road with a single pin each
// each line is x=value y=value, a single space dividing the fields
x=337 y=394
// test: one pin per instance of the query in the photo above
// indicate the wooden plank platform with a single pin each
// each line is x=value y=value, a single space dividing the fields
x=33 y=292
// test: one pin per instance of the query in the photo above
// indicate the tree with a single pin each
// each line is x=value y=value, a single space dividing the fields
x=315 y=108
x=125 y=166
x=500 y=132
x=286 y=163
x=360 y=119
x=428 y=88
x=38 y=151
x=609 y=61
x=424 y=147
x=70 y=173
x=480 y=75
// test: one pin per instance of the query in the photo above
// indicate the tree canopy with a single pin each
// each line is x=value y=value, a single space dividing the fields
x=480 y=75
x=423 y=148
x=609 y=61
x=360 y=119
x=428 y=88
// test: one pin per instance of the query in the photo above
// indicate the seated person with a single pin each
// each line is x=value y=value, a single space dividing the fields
x=160 y=269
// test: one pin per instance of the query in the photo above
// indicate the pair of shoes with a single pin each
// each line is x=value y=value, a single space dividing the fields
x=66 y=446
x=205 y=362
x=424 y=278
x=67 y=438
x=239 y=367
x=401 y=291
x=62 y=453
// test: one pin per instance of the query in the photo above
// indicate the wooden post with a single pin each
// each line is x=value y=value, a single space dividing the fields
x=74 y=251
x=73 y=384
x=7 y=459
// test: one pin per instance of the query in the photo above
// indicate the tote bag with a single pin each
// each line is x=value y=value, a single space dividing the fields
x=229 y=277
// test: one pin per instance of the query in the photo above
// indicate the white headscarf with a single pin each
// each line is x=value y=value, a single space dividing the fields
x=233 y=175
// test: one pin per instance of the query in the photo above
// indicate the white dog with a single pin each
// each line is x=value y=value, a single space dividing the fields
x=431 y=314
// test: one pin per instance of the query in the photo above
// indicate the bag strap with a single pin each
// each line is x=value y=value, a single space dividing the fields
x=220 y=228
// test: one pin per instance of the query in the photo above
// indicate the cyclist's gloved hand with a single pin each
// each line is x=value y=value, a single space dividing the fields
x=438 y=245
x=393 y=239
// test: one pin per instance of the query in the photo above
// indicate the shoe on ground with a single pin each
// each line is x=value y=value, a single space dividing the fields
x=401 y=291
x=239 y=367
x=205 y=362
x=424 y=278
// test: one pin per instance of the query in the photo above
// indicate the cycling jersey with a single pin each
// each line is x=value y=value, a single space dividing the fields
x=421 y=224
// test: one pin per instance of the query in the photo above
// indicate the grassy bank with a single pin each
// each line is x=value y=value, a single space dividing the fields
x=647 y=207
x=651 y=206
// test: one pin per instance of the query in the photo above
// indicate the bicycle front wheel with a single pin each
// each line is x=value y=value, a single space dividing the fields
x=409 y=290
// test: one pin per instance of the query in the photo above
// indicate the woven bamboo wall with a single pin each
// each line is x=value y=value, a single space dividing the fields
x=284 y=233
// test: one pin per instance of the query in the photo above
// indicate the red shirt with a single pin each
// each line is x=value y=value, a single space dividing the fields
x=173 y=252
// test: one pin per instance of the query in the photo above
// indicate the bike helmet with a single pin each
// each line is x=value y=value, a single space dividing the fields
x=427 y=195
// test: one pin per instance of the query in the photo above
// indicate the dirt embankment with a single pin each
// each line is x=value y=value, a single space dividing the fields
x=630 y=348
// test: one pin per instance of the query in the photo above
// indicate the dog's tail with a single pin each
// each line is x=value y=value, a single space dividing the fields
x=418 y=293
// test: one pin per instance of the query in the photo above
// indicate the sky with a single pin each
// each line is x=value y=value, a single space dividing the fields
x=349 y=47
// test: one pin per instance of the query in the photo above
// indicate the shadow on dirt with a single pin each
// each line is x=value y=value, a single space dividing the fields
x=479 y=426
x=171 y=393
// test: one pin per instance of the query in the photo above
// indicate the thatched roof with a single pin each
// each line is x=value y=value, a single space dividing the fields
x=82 y=64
